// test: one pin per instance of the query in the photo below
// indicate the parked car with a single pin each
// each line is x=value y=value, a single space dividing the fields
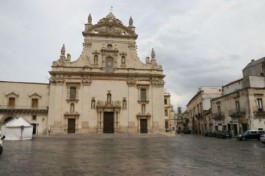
x=214 y=133
x=262 y=138
x=250 y=134
x=178 y=131
x=223 y=134
x=210 y=133
x=186 y=131
x=207 y=133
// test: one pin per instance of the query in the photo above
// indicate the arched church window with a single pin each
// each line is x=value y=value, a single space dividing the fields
x=109 y=64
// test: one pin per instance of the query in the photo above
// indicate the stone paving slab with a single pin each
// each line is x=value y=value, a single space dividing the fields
x=104 y=155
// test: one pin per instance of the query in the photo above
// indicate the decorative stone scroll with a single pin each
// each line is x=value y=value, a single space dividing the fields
x=157 y=82
x=86 y=81
x=131 y=81
x=109 y=52
x=58 y=80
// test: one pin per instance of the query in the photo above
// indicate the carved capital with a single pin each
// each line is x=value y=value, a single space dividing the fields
x=157 y=82
x=57 y=80
x=131 y=82
x=86 y=81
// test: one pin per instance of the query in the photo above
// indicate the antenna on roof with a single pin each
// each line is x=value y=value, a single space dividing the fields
x=111 y=8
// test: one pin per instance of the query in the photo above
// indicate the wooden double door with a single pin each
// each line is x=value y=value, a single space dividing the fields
x=71 y=126
x=108 y=122
x=143 y=126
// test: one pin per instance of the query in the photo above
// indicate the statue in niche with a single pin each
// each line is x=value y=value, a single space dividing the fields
x=123 y=60
x=93 y=103
x=68 y=57
x=124 y=104
x=109 y=97
x=143 y=108
x=96 y=59
x=72 y=107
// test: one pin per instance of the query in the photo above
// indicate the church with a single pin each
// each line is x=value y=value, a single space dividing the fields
x=108 y=89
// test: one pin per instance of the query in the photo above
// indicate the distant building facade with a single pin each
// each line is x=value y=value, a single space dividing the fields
x=28 y=100
x=169 y=113
x=241 y=108
x=198 y=107
x=179 y=120
x=106 y=90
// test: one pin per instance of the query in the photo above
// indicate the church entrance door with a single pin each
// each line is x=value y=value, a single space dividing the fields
x=143 y=126
x=71 y=125
x=108 y=123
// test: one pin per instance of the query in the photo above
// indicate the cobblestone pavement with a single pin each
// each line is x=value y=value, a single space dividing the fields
x=148 y=155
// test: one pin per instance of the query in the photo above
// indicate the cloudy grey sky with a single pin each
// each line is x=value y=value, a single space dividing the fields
x=198 y=42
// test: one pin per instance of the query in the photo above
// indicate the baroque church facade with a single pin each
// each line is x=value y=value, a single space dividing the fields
x=106 y=90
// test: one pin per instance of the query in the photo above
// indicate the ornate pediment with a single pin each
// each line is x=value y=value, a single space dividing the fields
x=110 y=26
x=12 y=94
x=35 y=94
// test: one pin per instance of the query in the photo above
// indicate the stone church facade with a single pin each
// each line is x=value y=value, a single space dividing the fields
x=106 y=90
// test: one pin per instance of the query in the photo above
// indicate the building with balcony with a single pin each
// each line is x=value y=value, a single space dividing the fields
x=169 y=113
x=28 y=100
x=108 y=89
x=241 y=105
x=182 y=121
x=198 y=107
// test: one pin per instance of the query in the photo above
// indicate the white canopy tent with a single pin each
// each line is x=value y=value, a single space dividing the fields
x=17 y=129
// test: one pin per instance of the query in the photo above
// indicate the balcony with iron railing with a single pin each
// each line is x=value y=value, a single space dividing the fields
x=218 y=116
x=180 y=120
x=239 y=113
x=260 y=112
x=198 y=116
x=24 y=109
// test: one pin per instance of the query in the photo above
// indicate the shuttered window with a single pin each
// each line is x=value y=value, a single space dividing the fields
x=35 y=102
x=72 y=93
x=143 y=95
x=11 y=102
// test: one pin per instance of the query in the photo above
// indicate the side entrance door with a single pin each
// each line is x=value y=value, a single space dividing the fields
x=71 y=125
x=34 y=131
x=108 y=122
x=143 y=126
x=235 y=129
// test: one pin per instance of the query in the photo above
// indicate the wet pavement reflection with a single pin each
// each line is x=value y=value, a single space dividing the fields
x=110 y=154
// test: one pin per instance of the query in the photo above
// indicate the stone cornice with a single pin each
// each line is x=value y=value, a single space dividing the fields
x=100 y=74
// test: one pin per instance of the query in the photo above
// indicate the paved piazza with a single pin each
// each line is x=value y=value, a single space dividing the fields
x=104 y=155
